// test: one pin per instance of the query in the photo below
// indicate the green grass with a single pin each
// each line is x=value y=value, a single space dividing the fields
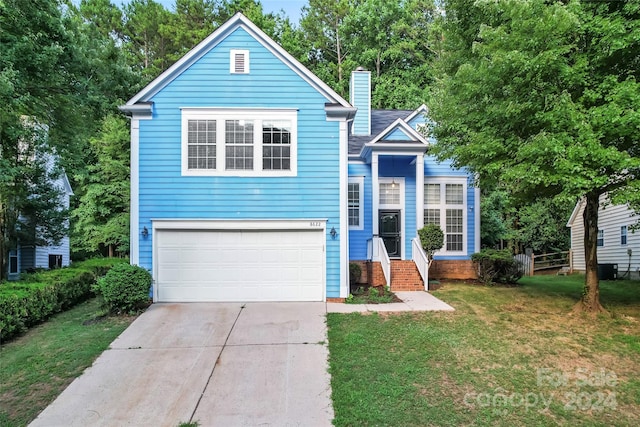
x=37 y=366
x=501 y=345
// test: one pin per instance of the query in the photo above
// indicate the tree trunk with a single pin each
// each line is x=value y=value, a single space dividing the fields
x=590 y=301
x=110 y=251
x=339 y=53
x=4 y=254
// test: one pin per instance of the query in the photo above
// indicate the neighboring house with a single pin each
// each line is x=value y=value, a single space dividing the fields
x=618 y=243
x=246 y=184
x=26 y=258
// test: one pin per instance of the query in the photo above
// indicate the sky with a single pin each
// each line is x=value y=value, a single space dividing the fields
x=291 y=7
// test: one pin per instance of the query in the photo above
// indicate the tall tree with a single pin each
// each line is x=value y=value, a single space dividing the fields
x=146 y=41
x=34 y=79
x=102 y=218
x=392 y=39
x=322 y=23
x=543 y=97
x=192 y=22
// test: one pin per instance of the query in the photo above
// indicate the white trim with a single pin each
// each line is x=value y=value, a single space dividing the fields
x=419 y=191
x=134 y=250
x=442 y=206
x=344 y=211
x=577 y=208
x=375 y=194
x=360 y=181
x=393 y=206
x=232 y=61
x=476 y=199
x=238 y=224
x=237 y=21
x=258 y=116
x=405 y=127
x=421 y=109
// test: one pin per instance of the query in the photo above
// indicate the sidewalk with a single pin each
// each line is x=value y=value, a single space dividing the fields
x=411 y=301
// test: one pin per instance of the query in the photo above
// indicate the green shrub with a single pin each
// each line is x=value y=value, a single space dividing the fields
x=39 y=295
x=355 y=272
x=496 y=266
x=100 y=266
x=125 y=288
x=431 y=239
x=24 y=304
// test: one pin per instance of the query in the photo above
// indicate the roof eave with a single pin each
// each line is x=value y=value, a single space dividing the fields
x=339 y=112
x=139 y=110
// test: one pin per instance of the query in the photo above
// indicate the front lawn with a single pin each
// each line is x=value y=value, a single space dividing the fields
x=506 y=356
x=37 y=366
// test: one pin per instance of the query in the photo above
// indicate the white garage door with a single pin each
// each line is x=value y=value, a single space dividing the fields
x=231 y=265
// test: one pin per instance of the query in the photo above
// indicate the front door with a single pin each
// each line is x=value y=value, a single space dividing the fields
x=390 y=232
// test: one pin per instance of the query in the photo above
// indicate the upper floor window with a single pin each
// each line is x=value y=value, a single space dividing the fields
x=445 y=205
x=355 y=198
x=623 y=235
x=239 y=142
x=600 y=241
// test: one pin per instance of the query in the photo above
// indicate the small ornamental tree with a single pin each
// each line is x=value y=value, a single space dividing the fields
x=431 y=239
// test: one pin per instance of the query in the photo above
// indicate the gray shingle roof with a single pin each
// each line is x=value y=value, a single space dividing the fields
x=380 y=120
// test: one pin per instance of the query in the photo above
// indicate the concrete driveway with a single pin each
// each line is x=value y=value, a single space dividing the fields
x=216 y=363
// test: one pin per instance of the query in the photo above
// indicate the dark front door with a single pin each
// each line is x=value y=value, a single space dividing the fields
x=390 y=232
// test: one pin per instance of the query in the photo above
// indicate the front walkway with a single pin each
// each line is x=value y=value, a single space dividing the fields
x=411 y=301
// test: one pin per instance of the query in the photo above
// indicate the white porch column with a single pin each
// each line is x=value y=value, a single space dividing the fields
x=419 y=191
x=375 y=190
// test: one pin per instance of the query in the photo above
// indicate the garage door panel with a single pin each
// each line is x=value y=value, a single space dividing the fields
x=233 y=265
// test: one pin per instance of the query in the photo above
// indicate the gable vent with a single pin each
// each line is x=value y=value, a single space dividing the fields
x=239 y=61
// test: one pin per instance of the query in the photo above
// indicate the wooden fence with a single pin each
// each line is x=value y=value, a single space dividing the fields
x=530 y=264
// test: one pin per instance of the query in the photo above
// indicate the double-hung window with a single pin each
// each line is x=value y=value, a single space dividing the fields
x=355 y=200
x=600 y=238
x=239 y=142
x=623 y=235
x=445 y=206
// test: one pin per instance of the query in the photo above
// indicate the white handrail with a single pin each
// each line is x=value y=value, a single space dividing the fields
x=421 y=260
x=380 y=254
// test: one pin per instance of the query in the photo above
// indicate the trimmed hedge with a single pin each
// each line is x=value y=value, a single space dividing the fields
x=497 y=266
x=37 y=296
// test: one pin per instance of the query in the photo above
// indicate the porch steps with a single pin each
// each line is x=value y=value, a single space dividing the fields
x=405 y=276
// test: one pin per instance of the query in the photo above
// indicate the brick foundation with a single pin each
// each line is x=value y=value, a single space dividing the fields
x=335 y=299
x=405 y=276
x=363 y=267
x=372 y=273
x=457 y=270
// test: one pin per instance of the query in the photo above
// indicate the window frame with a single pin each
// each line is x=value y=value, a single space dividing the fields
x=360 y=182
x=258 y=116
x=624 y=235
x=600 y=238
x=443 y=207
x=13 y=255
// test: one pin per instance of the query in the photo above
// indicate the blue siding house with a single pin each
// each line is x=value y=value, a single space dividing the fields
x=246 y=184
